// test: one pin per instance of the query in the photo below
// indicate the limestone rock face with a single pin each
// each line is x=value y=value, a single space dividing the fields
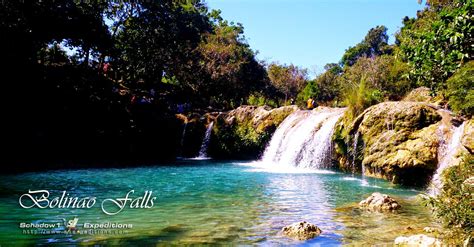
x=420 y=240
x=396 y=140
x=379 y=202
x=421 y=94
x=301 y=231
x=468 y=136
x=244 y=132
x=191 y=132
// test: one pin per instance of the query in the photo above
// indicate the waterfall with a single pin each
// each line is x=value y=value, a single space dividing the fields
x=355 y=144
x=354 y=152
x=205 y=142
x=446 y=153
x=303 y=139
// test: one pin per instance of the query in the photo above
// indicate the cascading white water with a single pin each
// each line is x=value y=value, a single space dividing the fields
x=205 y=142
x=354 y=152
x=303 y=139
x=446 y=154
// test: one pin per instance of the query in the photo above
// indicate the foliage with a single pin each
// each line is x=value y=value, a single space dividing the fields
x=311 y=90
x=383 y=73
x=453 y=206
x=288 y=79
x=438 y=42
x=328 y=83
x=375 y=43
x=156 y=40
x=260 y=100
x=120 y=85
x=460 y=90
x=359 y=96
x=229 y=64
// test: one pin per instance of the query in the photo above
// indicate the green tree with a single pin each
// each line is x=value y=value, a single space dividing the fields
x=311 y=90
x=231 y=72
x=438 y=42
x=384 y=73
x=375 y=43
x=460 y=90
x=157 y=40
x=288 y=79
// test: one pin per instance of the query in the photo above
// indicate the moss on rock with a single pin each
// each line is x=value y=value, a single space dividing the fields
x=397 y=141
x=468 y=136
x=244 y=132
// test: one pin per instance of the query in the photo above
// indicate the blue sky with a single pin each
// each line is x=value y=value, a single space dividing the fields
x=311 y=33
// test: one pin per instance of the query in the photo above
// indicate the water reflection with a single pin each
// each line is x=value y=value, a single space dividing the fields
x=205 y=202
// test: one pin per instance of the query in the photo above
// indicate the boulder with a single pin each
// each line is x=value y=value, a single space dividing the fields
x=417 y=240
x=468 y=136
x=397 y=141
x=421 y=94
x=301 y=231
x=379 y=202
x=244 y=132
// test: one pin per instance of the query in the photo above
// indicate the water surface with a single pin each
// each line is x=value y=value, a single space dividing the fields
x=210 y=202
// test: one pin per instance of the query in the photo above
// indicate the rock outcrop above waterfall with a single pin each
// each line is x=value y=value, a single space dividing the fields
x=396 y=140
x=420 y=240
x=301 y=231
x=379 y=202
x=192 y=131
x=244 y=132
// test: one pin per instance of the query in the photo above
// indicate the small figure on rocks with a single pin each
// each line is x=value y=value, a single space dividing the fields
x=379 y=202
x=301 y=231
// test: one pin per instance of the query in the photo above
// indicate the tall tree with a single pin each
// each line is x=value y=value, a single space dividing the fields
x=157 y=38
x=289 y=79
x=375 y=43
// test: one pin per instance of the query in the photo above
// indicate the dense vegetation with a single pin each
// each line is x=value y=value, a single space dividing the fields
x=453 y=206
x=96 y=80
x=113 y=75
x=431 y=50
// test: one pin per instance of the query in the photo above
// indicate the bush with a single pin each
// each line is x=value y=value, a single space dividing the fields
x=259 y=100
x=437 y=43
x=384 y=73
x=358 y=97
x=311 y=90
x=454 y=205
x=460 y=91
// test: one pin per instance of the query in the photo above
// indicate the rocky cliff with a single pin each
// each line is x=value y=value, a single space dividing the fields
x=393 y=140
x=244 y=132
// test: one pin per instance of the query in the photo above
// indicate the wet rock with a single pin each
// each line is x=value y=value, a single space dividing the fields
x=468 y=136
x=417 y=240
x=301 y=231
x=397 y=141
x=244 y=132
x=379 y=202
